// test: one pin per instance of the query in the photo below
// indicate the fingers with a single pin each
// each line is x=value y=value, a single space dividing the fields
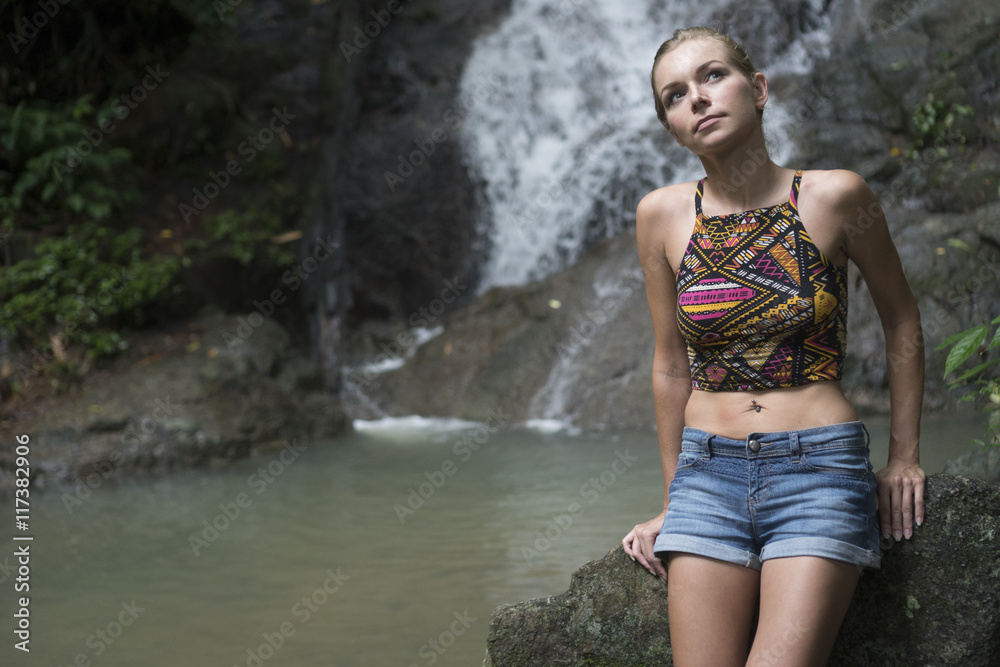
x=639 y=544
x=647 y=558
x=906 y=507
x=627 y=543
x=896 y=493
x=657 y=565
x=901 y=502
x=918 y=502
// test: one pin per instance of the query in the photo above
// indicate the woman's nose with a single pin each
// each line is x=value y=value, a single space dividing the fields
x=696 y=95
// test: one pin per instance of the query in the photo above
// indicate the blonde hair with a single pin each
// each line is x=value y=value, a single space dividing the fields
x=737 y=55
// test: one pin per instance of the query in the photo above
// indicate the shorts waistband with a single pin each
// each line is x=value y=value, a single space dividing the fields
x=763 y=444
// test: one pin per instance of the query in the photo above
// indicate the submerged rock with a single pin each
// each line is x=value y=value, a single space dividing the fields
x=936 y=601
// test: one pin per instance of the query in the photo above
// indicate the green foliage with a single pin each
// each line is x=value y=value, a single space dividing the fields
x=58 y=174
x=83 y=285
x=248 y=236
x=972 y=344
x=55 y=166
x=933 y=122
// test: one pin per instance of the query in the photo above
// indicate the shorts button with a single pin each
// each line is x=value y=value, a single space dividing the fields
x=754 y=445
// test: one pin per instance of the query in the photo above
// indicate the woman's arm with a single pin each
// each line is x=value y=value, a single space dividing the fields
x=870 y=247
x=671 y=372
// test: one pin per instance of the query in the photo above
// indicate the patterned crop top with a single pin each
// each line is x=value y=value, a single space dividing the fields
x=758 y=304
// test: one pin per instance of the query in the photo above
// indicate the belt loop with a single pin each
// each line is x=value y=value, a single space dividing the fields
x=793 y=443
x=706 y=447
x=868 y=436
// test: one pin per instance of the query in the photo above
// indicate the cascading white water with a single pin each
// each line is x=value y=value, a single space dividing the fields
x=561 y=125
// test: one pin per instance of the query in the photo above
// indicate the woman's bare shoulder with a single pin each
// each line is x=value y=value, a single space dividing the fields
x=834 y=187
x=663 y=205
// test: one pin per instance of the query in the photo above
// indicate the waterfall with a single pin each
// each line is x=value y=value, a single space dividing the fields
x=565 y=136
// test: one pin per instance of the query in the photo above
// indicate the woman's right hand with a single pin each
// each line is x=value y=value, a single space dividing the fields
x=639 y=545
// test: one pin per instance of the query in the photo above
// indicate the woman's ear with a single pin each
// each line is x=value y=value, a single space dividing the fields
x=759 y=90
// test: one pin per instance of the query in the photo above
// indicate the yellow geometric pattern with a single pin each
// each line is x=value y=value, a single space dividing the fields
x=758 y=303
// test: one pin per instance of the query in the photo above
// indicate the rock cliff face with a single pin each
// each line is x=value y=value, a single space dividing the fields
x=408 y=199
x=934 y=602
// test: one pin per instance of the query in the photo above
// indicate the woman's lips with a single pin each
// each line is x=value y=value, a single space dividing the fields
x=706 y=121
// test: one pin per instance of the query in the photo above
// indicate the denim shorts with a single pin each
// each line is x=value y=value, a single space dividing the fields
x=808 y=492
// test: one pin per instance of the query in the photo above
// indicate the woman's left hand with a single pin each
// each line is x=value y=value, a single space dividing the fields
x=900 y=498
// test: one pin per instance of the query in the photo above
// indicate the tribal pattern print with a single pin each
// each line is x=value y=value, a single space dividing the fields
x=757 y=302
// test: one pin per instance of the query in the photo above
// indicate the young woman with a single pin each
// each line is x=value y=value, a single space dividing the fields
x=770 y=507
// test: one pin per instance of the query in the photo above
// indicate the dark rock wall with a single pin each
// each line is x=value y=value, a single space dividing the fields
x=409 y=201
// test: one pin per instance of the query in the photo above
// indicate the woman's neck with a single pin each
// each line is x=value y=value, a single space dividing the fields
x=743 y=178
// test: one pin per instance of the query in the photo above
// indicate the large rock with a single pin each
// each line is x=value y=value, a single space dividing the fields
x=229 y=385
x=936 y=601
x=576 y=345
x=409 y=200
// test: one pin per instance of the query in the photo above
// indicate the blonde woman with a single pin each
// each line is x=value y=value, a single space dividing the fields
x=771 y=508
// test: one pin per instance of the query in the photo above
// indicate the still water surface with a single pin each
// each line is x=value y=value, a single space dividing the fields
x=318 y=558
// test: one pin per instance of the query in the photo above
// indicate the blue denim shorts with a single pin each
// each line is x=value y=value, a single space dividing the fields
x=809 y=492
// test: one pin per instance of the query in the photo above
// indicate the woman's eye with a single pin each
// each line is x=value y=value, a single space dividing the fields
x=671 y=98
x=716 y=72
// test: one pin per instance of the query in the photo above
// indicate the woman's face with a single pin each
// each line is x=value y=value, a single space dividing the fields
x=708 y=101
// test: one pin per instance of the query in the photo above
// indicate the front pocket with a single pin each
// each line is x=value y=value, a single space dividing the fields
x=850 y=461
x=687 y=459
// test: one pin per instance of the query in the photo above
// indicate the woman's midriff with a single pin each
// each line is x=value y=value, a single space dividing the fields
x=732 y=414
